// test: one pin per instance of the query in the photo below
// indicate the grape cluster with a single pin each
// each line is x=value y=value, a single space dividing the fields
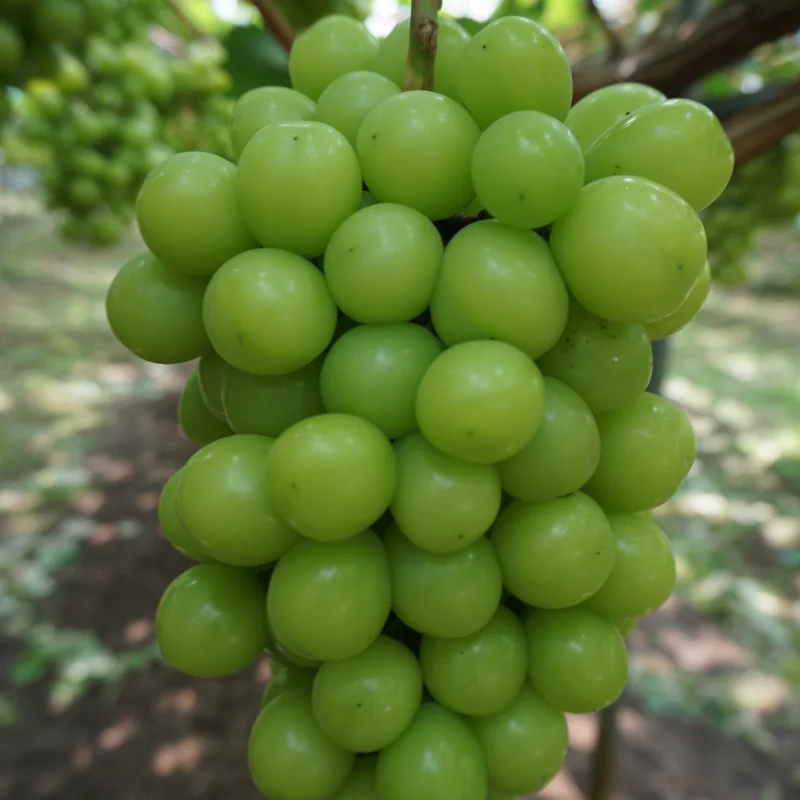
x=428 y=455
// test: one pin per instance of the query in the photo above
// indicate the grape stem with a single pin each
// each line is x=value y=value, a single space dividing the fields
x=275 y=22
x=613 y=42
x=178 y=12
x=423 y=39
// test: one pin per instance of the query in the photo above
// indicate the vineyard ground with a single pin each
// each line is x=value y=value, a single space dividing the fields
x=87 y=438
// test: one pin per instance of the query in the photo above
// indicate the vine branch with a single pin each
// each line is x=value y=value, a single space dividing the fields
x=275 y=22
x=613 y=42
x=423 y=40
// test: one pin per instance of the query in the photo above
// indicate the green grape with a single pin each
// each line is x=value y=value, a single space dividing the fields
x=290 y=757
x=577 y=660
x=481 y=673
x=498 y=282
x=644 y=570
x=287 y=678
x=447 y=595
x=629 y=250
x=626 y=625
x=361 y=785
x=211 y=371
x=11 y=49
x=364 y=702
x=563 y=453
x=260 y=107
x=196 y=419
x=374 y=371
x=331 y=476
x=679 y=144
x=415 y=149
x=210 y=621
x=60 y=21
x=498 y=794
x=224 y=502
x=157 y=313
x=437 y=758
x=330 y=600
x=348 y=100
x=172 y=526
x=609 y=364
x=329 y=48
x=382 y=263
x=481 y=402
x=84 y=191
x=280 y=652
x=527 y=169
x=524 y=744
x=268 y=405
x=554 y=554
x=393 y=54
x=646 y=450
x=685 y=312
x=592 y=116
x=297 y=182
x=188 y=213
x=442 y=504
x=514 y=64
x=269 y=312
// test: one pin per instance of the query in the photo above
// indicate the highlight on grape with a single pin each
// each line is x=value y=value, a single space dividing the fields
x=422 y=324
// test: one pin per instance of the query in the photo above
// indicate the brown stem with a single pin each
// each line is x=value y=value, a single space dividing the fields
x=760 y=127
x=604 y=757
x=725 y=36
x=613 y=42
x=276 y=22
x=423 y=39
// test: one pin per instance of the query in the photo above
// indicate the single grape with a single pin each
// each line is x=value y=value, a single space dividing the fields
x=481 y=673
x=629 y=250
x=211 y=374
x=481 y=402
x=500 y=283
x=361 y=784
x=374 y=371
x=290 y=757
x=609 y=364
x=442 y=504
x=331 y=476
x=593 y=115
x=348 y=100
x=157 y=313
x=366 y=701
x=644 y=570
x=330 y=600
x=269 y=404
x=382 y=263
x=447 y=595
x=527 y=169
x=210 y=621
x=514 y=64
x=679 y=144
x=281 y=653
x=260 y=107
x=197 y=422
x=393 y=55
x=437 y=758
x=563 y=453
x=685 y=312
x=331 y=47
x=269 y=312
x=577 y=660
x=224 y=502
x=646 y=450
x=188 y=213
x=554 y=554
x=416 y=149
x=524 y=744
x=287 y=678
x=175 y=532
x=297 y=182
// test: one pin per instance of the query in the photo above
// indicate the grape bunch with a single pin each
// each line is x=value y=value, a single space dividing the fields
x=428 y=457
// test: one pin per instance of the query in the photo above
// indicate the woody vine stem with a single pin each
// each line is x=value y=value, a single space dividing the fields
x=423 y=41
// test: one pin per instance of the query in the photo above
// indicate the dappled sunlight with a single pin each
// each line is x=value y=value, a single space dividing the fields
x=582 y=731
x=181 y=701
x=702 y=650
x=116 y=735
x=181 y=756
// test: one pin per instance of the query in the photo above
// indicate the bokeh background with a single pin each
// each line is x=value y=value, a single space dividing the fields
x=88 y=436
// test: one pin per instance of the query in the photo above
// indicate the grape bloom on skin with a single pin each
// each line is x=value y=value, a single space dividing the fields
x=427 y=457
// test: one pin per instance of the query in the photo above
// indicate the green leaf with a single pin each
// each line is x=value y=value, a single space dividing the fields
x=255 y=58
x=30 y=666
